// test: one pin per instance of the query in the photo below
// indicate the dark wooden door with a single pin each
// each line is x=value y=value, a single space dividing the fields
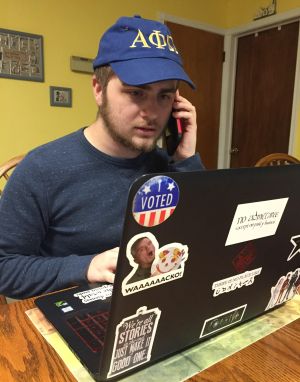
x=202 y=54
x=265 y=75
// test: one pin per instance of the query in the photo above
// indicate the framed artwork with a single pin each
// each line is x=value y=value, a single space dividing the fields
x=21 y=56
x=60 y=96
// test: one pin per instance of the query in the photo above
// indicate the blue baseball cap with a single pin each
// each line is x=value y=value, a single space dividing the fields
x=140 y=52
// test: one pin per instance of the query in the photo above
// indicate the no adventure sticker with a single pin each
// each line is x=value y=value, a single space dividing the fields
x=155 y=201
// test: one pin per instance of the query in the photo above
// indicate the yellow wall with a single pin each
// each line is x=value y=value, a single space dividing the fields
x=73 y=28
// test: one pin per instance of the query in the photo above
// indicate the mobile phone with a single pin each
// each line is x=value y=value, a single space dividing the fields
x=173 y=134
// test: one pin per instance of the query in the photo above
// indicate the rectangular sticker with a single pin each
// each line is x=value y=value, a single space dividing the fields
x=256 y=220
x=235 y=282
x=223 y=320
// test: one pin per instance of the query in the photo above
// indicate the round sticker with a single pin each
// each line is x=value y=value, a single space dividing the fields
x=155 y=201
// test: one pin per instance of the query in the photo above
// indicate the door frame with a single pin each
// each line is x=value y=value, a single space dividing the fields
x=163 y=17
x=229 y=68
x=231 y=44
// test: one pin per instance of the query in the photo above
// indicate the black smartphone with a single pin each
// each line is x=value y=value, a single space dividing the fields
x=173 y=134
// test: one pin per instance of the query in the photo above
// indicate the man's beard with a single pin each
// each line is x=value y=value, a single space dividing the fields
x=105 y=113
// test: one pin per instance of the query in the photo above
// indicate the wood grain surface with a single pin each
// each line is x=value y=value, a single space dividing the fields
x=26 y=356
x=275 y=358
x=24 y=353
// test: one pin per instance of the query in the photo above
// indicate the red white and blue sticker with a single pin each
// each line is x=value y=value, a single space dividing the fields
x=155 y=201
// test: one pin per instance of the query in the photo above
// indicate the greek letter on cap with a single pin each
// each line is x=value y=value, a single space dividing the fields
x=160 y=42
x=156 y=39
x=171 y=44
x=140 y=38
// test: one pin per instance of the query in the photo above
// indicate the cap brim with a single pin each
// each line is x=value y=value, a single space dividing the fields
x=143 y=71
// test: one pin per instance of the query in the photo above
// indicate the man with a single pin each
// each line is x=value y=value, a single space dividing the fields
x=62 y=210
x=143 y=253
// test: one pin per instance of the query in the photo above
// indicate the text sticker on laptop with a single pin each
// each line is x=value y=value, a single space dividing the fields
x=152 y=265
x=255 y=220
x=134 y=340
x=223 y=320
x=235 y=282
x=155 y=201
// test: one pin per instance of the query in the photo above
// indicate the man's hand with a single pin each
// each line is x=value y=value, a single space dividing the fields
x=103 y=266
x=184 y=110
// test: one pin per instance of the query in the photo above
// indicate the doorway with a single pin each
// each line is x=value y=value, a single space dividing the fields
x=264 y=90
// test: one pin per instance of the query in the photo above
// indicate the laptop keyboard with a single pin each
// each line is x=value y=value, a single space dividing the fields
x=90 y=328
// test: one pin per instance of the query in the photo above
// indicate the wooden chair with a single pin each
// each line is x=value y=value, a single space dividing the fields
x=276 y=159
x=8 y=166
x=5 y=170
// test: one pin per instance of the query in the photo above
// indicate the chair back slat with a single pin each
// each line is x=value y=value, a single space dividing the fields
x=7 y=167
x=276 y=159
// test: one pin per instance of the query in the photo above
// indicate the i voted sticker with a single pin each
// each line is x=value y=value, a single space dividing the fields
x=155 y=201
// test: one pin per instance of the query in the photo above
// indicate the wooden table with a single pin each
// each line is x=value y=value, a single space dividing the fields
x=275 y=357
x=24 y=353
x=26 y=356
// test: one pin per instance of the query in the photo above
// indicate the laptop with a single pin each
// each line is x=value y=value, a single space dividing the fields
x=225 y=248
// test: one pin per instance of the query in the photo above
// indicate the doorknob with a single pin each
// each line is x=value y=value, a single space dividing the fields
x=235 y=150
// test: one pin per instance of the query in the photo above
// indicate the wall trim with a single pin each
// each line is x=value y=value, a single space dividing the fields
x=162 y=17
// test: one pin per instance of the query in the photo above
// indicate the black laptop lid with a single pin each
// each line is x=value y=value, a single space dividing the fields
x=210 y=276
x=226 y=248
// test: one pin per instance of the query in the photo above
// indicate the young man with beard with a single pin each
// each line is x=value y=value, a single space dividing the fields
x=62 y=210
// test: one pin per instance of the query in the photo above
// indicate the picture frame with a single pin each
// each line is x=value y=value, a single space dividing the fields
x=60 y=96
x=21 y=55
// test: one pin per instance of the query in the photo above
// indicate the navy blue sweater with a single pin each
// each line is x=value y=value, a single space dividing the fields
x=65 y=203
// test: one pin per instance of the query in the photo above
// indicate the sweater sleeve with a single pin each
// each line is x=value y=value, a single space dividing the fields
x=192 y=163
x=24 y=271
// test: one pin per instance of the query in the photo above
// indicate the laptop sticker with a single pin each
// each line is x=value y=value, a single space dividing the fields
x=63 y=306
x=134 y=339
x=152 y=265
x=255 y=220
x=155 y=201
x=244 y=258
x=223 y=320
x=102 y=292
x=295 y=240
x=235 y=282
x=285 y=289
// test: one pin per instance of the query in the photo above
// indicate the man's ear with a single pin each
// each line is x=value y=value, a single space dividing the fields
x=97 y=90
